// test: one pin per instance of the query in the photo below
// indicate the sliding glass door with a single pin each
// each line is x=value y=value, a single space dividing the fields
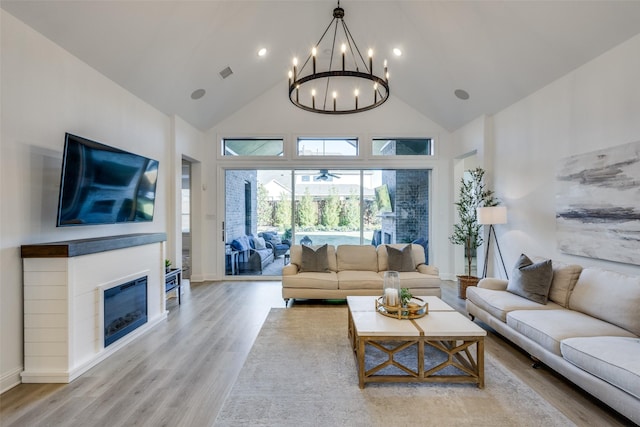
x=266 y=211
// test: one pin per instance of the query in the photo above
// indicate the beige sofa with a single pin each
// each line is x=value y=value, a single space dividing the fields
x=355 y=270
x=588 y=331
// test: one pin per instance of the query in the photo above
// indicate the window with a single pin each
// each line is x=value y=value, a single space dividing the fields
x=327 y=147
x=403 y=147
x=334 y=206
x=252 y=147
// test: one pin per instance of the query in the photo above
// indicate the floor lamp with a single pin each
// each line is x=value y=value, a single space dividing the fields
x=490 y=216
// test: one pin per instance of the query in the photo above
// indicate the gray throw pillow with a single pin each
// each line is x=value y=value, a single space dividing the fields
x=314 y=260
x=401 y=259
x=531 y=281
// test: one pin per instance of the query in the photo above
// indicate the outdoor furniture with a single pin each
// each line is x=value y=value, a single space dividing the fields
x=251 y=257
x=280 y=246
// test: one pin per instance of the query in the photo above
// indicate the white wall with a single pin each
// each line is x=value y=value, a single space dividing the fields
x=272 y=114
x=594 y=107
x=188 y=143
x=46 y=92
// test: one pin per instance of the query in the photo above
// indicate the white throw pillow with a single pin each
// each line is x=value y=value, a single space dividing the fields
x=259 y=243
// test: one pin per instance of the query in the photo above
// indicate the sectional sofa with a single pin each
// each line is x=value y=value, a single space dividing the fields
x=356 y=270
x=587 y=331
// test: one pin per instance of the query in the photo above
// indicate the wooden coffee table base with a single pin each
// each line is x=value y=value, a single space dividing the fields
x=458 y=354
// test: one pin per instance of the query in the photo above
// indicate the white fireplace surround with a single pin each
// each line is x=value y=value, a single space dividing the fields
x=64 y=303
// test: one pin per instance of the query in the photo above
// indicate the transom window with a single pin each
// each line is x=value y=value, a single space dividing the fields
x=253 y=147
x=327 y=147
x=402 y=147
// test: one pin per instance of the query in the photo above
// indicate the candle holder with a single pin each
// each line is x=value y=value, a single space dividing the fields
x=391 y=289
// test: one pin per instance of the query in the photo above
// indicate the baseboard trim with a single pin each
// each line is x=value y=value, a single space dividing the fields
x=10 y=380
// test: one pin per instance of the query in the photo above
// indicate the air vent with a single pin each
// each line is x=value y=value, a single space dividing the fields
x=226 y=72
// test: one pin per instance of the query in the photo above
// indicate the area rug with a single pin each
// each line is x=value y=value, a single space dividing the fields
x=301 y=372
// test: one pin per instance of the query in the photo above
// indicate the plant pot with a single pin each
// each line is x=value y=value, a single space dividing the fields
x=464 y=282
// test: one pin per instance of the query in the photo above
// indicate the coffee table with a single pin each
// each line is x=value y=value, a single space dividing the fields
x=443 y=332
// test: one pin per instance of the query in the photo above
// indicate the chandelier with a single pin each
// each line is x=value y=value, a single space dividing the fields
x=348 y=84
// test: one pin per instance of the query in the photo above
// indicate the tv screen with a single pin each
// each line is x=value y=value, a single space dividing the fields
x=104 y=185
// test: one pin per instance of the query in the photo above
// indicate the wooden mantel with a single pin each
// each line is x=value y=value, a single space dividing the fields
x=73 y=248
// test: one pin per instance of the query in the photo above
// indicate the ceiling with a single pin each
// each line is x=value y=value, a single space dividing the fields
x=498 y=51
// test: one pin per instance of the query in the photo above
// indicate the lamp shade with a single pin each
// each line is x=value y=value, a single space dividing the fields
x=492 y=215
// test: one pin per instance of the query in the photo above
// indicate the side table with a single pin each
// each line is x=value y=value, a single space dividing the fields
x=232 y=262
x=173 y=280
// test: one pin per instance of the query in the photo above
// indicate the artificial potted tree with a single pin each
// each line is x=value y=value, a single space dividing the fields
x=467 y=232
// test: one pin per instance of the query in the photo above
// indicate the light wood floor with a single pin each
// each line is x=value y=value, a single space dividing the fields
x=179 y=373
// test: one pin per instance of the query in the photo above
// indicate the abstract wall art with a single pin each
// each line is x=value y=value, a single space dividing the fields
x=598 y=204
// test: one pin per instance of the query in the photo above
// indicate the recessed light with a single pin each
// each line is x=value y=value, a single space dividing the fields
x=461 y=94
x=262 y=52
x=198 y=93
x=397 y=51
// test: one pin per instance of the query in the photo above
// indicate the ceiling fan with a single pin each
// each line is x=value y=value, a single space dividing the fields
x=324 y=175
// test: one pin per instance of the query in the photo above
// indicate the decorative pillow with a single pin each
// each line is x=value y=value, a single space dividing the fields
x=259 y=243
x=401 y=259
x=314 y=260
x=272 y=237
x=531 y=281
x=241 y=243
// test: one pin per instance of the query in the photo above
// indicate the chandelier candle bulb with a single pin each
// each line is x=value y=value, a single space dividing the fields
x=344 y=50
x=371 y=61
x=313 y=98
x=356 y=94
x=295 y=67
x=313 y=54
x=335 y=95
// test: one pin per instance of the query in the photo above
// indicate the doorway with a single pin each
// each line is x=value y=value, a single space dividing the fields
x=186 y=218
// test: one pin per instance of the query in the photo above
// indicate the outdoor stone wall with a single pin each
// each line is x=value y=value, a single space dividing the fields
x=411 y=204
x=235 y=206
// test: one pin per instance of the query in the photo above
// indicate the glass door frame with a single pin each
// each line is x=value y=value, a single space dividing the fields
x=374 y=164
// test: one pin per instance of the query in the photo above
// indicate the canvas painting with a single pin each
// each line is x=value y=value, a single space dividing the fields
x=598 y=204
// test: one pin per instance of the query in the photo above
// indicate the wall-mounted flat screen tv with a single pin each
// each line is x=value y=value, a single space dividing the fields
x=104 y=185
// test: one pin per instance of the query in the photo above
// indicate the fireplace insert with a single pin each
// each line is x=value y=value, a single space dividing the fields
x=125 y=309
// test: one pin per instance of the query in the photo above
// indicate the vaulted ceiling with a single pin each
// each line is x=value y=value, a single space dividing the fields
x=497 y=51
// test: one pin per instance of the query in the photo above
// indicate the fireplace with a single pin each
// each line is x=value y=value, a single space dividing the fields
x=64 y=296
x=388 y=227
x=125 y=309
